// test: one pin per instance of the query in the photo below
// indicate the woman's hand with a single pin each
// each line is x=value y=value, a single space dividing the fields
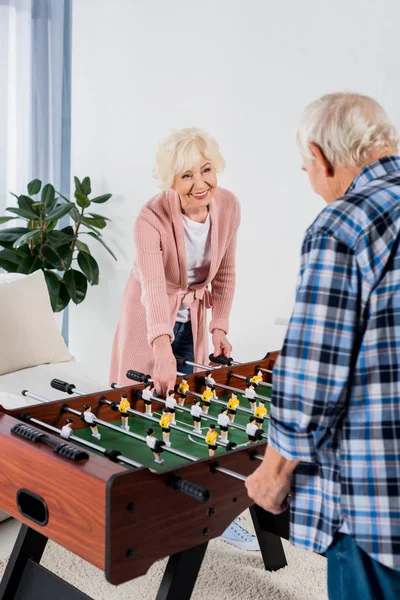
x=164 y=374
x=221 y=343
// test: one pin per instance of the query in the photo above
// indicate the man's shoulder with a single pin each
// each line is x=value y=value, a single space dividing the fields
x=359 y=214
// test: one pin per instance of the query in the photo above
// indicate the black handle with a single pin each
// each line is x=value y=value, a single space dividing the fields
x=61 y=448
x=62 y=386
x=180 y=361
x=137 y=376
x=221 y=360
x=193 y=490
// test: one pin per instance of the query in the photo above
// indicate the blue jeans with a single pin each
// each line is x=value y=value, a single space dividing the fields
x=354 y=575
x=182 y=346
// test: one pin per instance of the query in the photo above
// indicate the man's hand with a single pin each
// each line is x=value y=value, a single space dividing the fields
x=269 y=485
x=221 y=343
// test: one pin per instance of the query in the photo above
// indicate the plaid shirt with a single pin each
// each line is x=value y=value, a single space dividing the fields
x=336 y=387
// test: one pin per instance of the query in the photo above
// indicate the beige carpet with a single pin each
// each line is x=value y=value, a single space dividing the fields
x=226 y=574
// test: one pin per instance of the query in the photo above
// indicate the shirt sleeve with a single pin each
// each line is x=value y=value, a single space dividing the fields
x=312 y=371
x=149 y=260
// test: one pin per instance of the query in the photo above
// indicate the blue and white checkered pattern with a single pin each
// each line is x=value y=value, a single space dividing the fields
x=336 y=386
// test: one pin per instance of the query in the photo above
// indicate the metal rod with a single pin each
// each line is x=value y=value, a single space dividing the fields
x=238 y=391
x=263 y=383
x=230 y=473
x=265 y=370
x=86 y=443
x=29 y=394
x=221 y=402
x=134 y=435
x=258 y=456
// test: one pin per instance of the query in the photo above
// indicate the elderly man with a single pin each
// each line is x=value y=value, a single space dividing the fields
x=334 y=437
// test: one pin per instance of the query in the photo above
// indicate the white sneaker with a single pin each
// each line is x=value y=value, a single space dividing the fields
x=195 y=430
x=168 y=444
x=237 y=536
x=149 y=414
x=159 y=461
x=97 y=436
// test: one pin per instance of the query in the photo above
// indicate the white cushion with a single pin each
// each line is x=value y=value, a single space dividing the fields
x=28 y=330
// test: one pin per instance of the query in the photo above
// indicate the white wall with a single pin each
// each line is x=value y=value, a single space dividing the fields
x=244 y=71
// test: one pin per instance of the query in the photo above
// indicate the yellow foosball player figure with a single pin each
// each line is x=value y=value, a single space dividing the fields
x=260 y=413
x=250 y=394
x=196 y=412
x=206 y=398
x=233 y=403
x=146 y=396
x=223 y=422
x=171 y=403
x=182 y=389
x=67 y=430
x=211 y=438
x=124 y=405
x=165 y=422
x=155 y=446
x=90 y=419
x=257 y=377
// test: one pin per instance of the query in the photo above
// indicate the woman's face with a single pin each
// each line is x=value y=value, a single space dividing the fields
x=196 y=186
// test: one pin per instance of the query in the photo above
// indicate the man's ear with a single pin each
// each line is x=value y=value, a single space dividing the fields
x=320 y=157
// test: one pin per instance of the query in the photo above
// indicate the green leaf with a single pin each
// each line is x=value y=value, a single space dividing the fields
x=57 y=238
x=86 y=187
x=12 y=233
x=48 y=195
x=24 y=214
x=63 y=297
x=98 y=238
x=30 y=264
x=26 y=203
x=82 y=247
x=98 y=222
x=82 y=200
x=76 y=284
x=34 y=187
x=9 y=260
x=101 y=199
x=5 y=219
x=97 y=216
x=78 y=185
x=60 y=258
x=53 y=286
x=23 y=239
x=75 y=214
x=89 y=267
x=59 y=211
x=50 y=225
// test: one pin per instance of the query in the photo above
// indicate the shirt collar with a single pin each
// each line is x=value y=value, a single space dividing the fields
x=375 y=170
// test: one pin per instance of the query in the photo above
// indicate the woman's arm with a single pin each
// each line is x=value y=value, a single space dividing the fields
x=150 y=265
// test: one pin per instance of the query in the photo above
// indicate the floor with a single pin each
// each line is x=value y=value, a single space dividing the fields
x=8 y=534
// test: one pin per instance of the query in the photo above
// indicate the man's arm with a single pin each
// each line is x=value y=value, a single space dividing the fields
x=312 y=371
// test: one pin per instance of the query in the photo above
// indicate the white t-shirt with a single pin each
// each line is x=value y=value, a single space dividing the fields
x=250 y=394
x=170 y=402
x=151 y=441
x=66 y=431
x=198 y=256
x=196 y=411
x=210 y=381
x=89 y=417
x=146 y=394
x=251 y=429
x=223 y=420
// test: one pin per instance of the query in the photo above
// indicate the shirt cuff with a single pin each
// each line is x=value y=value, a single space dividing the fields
x=219 y=324
x=158 y=330
x=291 y=445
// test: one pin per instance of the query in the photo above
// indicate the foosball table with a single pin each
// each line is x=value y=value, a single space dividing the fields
x=98 y=475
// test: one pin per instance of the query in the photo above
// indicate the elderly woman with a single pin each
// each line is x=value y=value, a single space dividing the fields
x=185 y=263
x=334 y=437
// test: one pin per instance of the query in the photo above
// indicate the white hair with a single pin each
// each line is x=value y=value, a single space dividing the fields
x=182 y=150
x=347 y=127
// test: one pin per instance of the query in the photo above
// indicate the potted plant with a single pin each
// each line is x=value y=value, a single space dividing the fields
x=66 y=260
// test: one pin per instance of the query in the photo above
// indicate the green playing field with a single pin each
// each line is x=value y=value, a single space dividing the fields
x=190 y=444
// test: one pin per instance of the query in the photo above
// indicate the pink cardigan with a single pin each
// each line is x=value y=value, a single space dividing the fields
x=158 y=282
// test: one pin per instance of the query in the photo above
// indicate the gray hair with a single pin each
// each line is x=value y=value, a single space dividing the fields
x=347 y=127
